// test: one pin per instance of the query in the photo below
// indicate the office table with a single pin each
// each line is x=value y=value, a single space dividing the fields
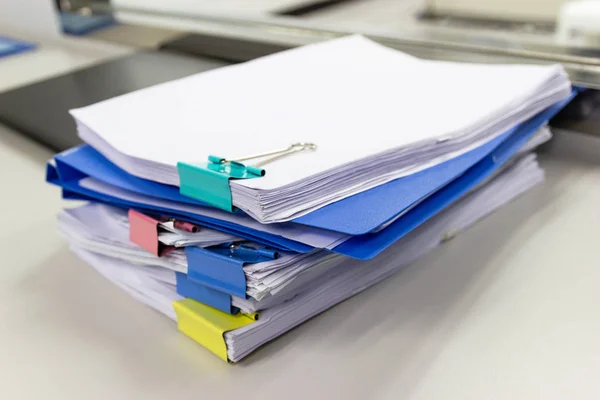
x=506 y=310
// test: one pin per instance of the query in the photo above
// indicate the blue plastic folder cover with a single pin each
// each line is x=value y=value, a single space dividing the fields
x=377 y=206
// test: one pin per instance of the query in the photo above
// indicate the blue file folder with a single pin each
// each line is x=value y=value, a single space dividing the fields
x=415 y=198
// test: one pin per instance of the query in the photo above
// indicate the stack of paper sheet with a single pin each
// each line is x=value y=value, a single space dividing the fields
x=352 y=161
x=324 y=94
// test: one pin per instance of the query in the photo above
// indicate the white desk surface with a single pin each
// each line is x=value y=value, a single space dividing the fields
x=506 y=310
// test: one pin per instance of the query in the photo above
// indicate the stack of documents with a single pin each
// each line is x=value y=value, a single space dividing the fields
x=242 y=201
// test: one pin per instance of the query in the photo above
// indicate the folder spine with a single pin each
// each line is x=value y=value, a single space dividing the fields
x=207 y=325
x=65 y=172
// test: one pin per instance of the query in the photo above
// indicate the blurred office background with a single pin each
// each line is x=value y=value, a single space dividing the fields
x=485 y=321
x=207 y=32
x=523 y=21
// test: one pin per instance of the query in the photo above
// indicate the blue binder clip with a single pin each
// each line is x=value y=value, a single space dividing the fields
x=209 y=182
x=217 y=273
x=186 y=287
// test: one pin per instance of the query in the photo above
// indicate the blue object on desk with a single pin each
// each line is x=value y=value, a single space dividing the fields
x=79 y=25
x=12 y=46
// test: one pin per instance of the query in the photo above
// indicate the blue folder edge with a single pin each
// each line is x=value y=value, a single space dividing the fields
x=10 y=46
x=363 y=246
x=368 y=246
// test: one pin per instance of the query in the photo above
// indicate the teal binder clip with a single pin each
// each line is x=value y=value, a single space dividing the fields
x=209 y=182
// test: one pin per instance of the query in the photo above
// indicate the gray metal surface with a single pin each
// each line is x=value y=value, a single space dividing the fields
x=420 y=38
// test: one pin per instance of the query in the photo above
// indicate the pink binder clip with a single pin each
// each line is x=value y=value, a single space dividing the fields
x=143 y=231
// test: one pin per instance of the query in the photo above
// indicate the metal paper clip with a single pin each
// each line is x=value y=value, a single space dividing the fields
x=279 y=153
x=209 y=183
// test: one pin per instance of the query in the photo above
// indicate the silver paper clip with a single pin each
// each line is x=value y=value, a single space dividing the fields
x=291 y=149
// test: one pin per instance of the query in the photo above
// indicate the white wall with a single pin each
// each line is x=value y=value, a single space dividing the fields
x=33 y=18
